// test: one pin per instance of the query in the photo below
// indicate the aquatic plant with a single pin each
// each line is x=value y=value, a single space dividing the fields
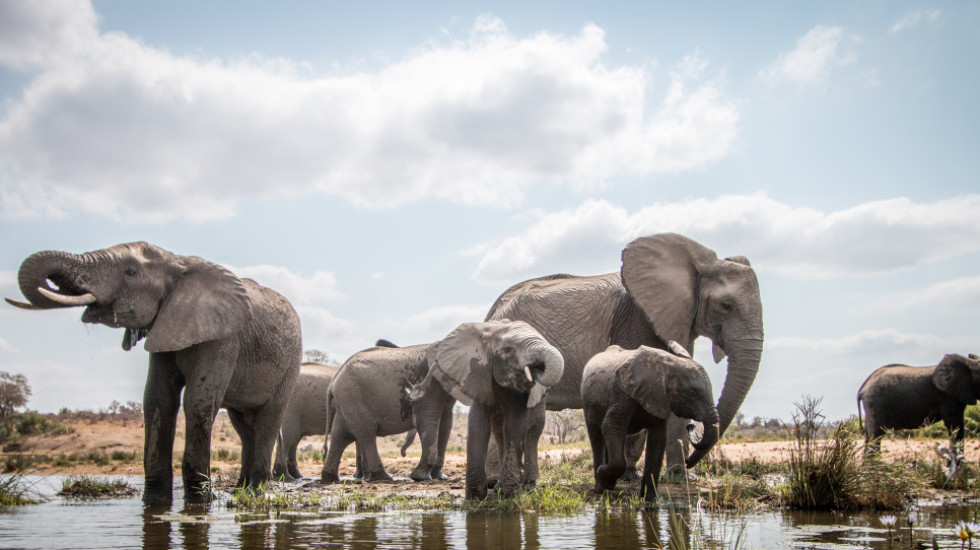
x=16 y=490
x=83 y=487
x=965 y=532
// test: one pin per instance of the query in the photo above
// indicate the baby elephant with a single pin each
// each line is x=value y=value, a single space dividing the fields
x=903 y=397
x=625 y=391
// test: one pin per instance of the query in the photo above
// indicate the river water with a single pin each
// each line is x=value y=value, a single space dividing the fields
x=126 y=523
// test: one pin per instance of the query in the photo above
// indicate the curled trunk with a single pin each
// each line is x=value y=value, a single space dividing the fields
x=60 y=268
x=707 y=441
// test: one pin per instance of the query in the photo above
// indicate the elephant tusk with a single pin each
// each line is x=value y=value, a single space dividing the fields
x=22 y=305
x=83 y=300
x=527 y=372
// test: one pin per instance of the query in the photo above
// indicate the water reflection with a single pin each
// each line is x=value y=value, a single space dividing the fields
x=126 y=523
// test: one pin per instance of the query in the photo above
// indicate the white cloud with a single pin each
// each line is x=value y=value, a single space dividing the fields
x=114 y=127
x=957 y=295
x=872 y=238
x=318 y=288
x=864 y=342
x=443 y=320
x=6 y=346
x=915 y=18
x=816 y=54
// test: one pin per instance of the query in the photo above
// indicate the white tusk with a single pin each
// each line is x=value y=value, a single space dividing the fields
x=82 y=300
x=22 y=305
x=527 y=372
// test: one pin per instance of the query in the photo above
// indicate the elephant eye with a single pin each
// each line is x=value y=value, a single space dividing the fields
x=131 y=271
x=726 y=307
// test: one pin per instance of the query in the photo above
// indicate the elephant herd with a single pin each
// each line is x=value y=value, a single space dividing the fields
x=618 y=346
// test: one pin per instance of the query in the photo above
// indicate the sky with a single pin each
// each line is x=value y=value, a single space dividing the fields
x=392 y=168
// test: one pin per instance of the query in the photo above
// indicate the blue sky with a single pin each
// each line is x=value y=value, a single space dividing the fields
x=391 y=169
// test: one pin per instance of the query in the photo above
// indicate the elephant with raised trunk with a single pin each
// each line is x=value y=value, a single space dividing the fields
x=904 y=397
x=223 y=341
x=670 y=288
x=502 y=369
x=627 y=391
x=306 y=415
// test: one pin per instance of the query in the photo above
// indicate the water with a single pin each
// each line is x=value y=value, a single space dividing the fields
x=126 y=523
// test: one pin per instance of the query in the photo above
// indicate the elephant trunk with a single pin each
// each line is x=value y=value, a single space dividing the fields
x=743 y=365
x=554 y=365
x=60 y=268
x=708 y=439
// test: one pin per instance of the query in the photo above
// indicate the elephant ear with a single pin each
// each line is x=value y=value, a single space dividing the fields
x=644 y=377
x=460 y=362
x=661 y=273
x=207 y=303
x=952 y=376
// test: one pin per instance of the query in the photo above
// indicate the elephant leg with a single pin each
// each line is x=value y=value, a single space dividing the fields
x=495 y=451
x=614 y=427
x=358 y=462
x=535 y=427
x=594 y=428
x=428 y=416
x=677 y=445
x=161 y=402
x=873 y=433
x=244 y=431
x=515 y=414
x=266 y=422
x=286 y=467
x=656 y=441
x=292 y=463
x=477 y=442
x=372 y=467
x=340 y=438
x=279 y=469
x=445 y=430
x=634 y=449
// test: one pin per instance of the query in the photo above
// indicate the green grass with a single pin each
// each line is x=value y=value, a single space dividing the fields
x=84 y=487
x=15 y=490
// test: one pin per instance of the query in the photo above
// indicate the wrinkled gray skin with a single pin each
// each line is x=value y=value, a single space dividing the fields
x=903 y=397
x=369 y=398
x=223 y=341
x=501 y=369
x=670 y=288
x=306 y=415
x=627 y=391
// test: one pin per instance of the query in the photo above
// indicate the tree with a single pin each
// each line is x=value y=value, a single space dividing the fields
x=317 y=356
x=565 y=423
x=14 y=392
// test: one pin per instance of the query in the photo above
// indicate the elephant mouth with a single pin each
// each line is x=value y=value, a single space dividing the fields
x=533 y=373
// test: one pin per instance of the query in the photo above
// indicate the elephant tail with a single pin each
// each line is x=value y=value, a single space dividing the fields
x=860 y=422
x=329 y=420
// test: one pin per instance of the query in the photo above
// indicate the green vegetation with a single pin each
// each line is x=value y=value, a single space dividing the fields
x=82 y=487
x=15 y=490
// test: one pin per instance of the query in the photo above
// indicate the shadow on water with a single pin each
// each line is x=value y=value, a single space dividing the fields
x=126 y=523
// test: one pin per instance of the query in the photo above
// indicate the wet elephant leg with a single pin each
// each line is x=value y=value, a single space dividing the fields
x=161 y=402
x=445 y=430
x=635 y=444
x=265 y=425
x=244 y=430
x=677 y=445
x=477 y=440
x=514 y=410
x=535 y=427
x=655 y=456
x=614 y=426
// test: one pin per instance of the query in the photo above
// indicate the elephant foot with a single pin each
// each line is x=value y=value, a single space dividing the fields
x=437 y=474
x=491 y=483
x=529 y=484
x=157 y=499
x=631 y=474
x=606 y=476
x=329 y=477
x=420 y=475
x=379 y=476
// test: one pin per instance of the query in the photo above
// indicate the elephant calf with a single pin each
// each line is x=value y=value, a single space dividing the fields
x=305 y=415
x=904 y=397
x=625 y=391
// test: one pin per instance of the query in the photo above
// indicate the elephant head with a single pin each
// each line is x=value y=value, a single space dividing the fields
x=686 y=291
x=174 y=301
x=958 y=377
x=475 y=357
x=663 y=382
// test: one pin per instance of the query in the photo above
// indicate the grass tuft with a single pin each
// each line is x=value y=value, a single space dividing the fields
x=82 y=487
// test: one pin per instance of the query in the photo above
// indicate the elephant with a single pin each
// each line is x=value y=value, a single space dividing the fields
x=626 y=391
x=670 y=288
x=501 y=369
x=370 y=397
x=223 y=341
x=306 y=415
x=904 y=397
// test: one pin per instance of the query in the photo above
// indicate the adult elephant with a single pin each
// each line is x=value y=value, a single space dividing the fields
x=223 y=341
x=670 y=288
x=502 y=369
x=306 y=415
x=904 y=397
